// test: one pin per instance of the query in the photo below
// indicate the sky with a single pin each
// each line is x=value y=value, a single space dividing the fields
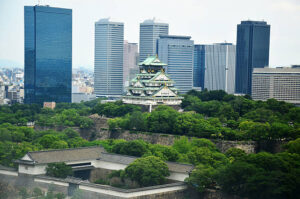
x=206 y=21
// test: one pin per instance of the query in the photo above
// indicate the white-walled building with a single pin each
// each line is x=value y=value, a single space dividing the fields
x=282 y=83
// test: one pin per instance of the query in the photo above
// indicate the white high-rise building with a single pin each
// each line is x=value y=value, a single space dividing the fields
x=282 y=83
x=109 y=38
x=149 y=33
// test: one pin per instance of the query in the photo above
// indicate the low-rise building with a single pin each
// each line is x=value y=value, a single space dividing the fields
x=88 y=159
x=282 y=83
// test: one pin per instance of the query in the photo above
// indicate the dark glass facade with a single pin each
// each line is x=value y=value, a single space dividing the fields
x=199 y=66
x=48 y=54
x=252 y=51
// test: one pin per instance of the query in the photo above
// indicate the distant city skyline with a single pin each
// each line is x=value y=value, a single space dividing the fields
x=206 y=21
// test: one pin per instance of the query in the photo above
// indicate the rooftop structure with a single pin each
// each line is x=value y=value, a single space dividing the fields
x=89 y=158
x=62 y=155
x=152 y=86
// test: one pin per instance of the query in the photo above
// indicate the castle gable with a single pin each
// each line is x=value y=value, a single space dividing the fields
x=138 y=84
x=165 y=92
x=161 y=77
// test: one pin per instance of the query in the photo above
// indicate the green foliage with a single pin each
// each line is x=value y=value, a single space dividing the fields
x=182 y=145
x=134 y=148
x=162 y=119
x=114 y=109
x=164 y=152
x=217 y=115
x=293 y=146
x=235 y=154
x=202 y=178
x=262 y=175
x=58 y=170
x=203 y=155
x=148 y=171
x=65 y=117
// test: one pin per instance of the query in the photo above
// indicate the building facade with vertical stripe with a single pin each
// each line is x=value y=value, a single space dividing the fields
x=109 y=38
x=149 y=33
x=177 y=52
x=214 y=67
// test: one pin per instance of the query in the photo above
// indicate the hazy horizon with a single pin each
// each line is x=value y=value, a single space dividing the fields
x=206 y=22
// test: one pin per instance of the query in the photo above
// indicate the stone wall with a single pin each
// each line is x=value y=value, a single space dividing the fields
x=99 y=173
x=91 y=191
x=28 y=182
x=100 y=131
x=166 y=139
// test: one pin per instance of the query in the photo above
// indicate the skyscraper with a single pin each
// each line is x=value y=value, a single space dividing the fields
x=130 y=62
x=252 y=51
x=177 y=53
x=199 y=66
x=214 y=66
x=109 y=38
x=48 y=54
x=149 y=33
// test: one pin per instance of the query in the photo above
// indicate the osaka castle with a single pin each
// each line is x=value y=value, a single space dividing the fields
x=152 y=86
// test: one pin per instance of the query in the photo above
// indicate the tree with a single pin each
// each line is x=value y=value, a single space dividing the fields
x=234 y=177
x=60 y=144
x=182 y=145
x=235 y=154
x=255 y=130
x=71 y=133
x=202 y=178
x=47 y=140
x=58 y=170
x=135 y=148
x=202 y=142
x=293 y=146
x=148 y=171
x=261 y=115
x=137 y=121
x=164 y=152
x=205 y=156
x=162 y=119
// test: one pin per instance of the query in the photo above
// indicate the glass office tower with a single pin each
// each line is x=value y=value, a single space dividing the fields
x=214 y=67
x=252 y=51
x=48 y=54
x=109 y=46
x=149 y=33
x=177 y=52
